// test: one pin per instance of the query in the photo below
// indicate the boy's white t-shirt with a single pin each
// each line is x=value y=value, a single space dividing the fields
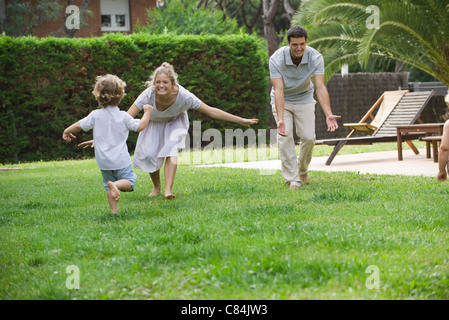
x=111 y=129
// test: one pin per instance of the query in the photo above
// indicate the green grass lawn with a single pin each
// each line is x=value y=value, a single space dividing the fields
x=229 y=234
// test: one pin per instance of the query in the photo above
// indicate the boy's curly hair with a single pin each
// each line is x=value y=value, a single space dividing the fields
x=109 y=90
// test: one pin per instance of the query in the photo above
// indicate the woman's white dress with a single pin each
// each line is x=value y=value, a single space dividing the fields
x=166 y=130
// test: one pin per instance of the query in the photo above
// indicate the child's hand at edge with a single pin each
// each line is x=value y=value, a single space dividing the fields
x=86 y=144
x=67 y=137
x=147 y=108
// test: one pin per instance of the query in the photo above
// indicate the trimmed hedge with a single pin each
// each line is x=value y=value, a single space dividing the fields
x=46 y=83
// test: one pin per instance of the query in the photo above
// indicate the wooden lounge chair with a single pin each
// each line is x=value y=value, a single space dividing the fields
x=393 y=108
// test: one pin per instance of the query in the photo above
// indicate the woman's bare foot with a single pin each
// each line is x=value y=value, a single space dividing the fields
x=114 y=191
x=304 y=178
x=169 y=195
x=155 y=192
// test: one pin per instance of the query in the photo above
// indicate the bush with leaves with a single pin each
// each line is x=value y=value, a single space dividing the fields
x=184 y=17
x=47 y=83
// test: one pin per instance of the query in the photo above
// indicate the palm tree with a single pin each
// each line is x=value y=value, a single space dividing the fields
x=415 y=32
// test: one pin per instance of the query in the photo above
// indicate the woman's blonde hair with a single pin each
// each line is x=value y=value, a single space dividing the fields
x=166 y=68
x=109 y=90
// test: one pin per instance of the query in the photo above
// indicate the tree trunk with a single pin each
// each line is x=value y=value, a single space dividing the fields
x=270 y=8
x=400 y=66
x=2 y=9
x=2 y=14
x=271 y=37
x=290 y=11
x=267 y=11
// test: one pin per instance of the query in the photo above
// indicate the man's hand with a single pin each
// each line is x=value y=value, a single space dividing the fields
x=331 y=122
x=281 y=128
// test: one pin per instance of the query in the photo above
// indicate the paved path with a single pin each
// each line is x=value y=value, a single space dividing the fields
x=385 y=162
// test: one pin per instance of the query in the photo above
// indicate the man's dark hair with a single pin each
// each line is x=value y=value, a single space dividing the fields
x=296 y=32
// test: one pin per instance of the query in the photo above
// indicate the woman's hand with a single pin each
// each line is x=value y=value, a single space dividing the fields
x=248 y=122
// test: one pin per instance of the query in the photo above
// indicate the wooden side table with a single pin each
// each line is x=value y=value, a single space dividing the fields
x=429 y=129
x=434 y=140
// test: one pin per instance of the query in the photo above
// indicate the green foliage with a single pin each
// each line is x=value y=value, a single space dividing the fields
x=47 y=83
x=415 y=32
x=21 y=17
x=250 y=13
x=184 y=17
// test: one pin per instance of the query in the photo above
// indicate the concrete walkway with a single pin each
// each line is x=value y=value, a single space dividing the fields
x=385 y=162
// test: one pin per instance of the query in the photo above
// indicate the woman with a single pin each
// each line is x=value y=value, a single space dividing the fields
x=169 y=122
x=443 y=155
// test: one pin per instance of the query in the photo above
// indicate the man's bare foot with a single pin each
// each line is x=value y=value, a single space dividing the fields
x=294 y=185
x=114 y=191
x=304 y=178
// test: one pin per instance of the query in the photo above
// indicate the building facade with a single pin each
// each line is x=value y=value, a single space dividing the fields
x=101 y=16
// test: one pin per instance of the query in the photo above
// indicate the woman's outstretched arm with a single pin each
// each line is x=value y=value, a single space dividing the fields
x=225 y=116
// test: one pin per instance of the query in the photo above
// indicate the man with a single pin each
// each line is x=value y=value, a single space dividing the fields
x=291 y=71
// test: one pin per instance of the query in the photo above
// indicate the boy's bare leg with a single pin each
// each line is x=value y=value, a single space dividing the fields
x=112 y=202
x=156 y=179
x=113 y=193
x=169 y=174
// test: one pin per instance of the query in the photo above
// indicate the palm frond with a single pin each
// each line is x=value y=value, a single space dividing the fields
x=413 y=31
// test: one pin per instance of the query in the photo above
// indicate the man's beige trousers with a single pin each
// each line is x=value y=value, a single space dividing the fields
x=303 y=116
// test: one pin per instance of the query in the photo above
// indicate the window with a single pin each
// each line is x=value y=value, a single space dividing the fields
x=115 y=15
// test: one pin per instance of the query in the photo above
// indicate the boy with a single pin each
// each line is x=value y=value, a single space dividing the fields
x=110 y=130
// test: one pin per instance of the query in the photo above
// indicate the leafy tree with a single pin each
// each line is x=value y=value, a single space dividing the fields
x=21 y=17
x=184 y=17
x=415 y=32
x=268 y=18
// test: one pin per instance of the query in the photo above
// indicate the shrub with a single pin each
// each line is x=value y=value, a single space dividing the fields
x=47 y=83
x=184 y=17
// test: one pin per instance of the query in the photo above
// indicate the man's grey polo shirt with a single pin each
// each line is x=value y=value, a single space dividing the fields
x=298 y=87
